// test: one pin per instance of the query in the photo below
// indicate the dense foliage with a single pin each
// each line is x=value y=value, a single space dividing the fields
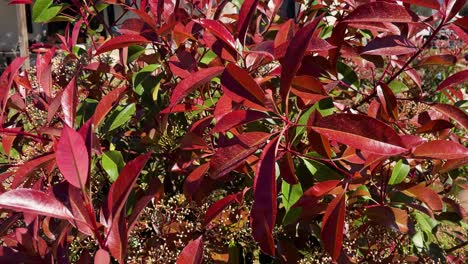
x=216 y=131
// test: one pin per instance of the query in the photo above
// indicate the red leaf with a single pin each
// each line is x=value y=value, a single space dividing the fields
x=361 y=132
x=333 y=224
x=434 y=126
x=287 y=169
x=453 y=164
x=434 y=4
x=425 y=195
x=381 y=12
x=388 y=100
x=412 y=73
x=121 y=188
x=102 y=257
x=106 y=104
x=389 y=216
x=72 y=157
x=44 y=71
x=30 y=166
x=294 y=54
x=285 y=33
x=453 y=112
x=241 y=87
x=116 y=240
x=192 y=253
x=122 y=41
x=445 y=59
x=189 y=84
x=220 y=31
x=316 y=192
x=245 y=16
x=216 y=208
x=35 y=202
x=455 y=79
x=440 y=149
x=237 y=118
x=17 y=2
x=6 y=81
x=234 y=154
x=264 y=207
x=69 y=102
x=54 y=106
x=7 y=141
x=194 y=180
x=388 y=46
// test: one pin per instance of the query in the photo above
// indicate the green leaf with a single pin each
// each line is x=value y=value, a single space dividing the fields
x=291 y=193
x=44 y=10
x=143 y=80
x=86 y=110
x=418 y=241
x=425 y=223
x=321 y=172
x=209 y=56
x=399 y=172
x=398 y=87
x=347 y=75
x=121 y=116
x=112 y=162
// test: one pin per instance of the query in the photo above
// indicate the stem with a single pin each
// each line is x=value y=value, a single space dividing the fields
x=462 y=245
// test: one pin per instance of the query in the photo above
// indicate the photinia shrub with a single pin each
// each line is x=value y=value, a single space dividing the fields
x=219 y=131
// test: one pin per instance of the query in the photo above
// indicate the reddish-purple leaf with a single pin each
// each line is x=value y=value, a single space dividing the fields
x=35 y=202
x=189 y=84
x=264 y=208
x=229 y=157
x=106 y=104
x=220 y=31
x=434 y=4
x=29 y=167
x=388 y=46
x=44 y=71
x=117 y=237
x=389 y=216
x=69 y=102
x=7 y=141
x=122 y=41
x=293 y=58
x=434 y=126
x=285 y=33
x=72 y=157
x=54 y=106
x=454 y=79
x=440 y=149
x=6 y=81
x=102 y=257
x=445 y=59
x=192 y=253
x=452 y=112
x=121 y=188
x=287 y=169
x=361 y=132
x=381 y=12
x=316 y=192
x=245 y=16
x=216 y=208
x=18 y=2
x=425 y=195
x=194 y=180
x=333 y=225
x=453 y=164
x=387 y=100
x=241 y=87
x=237 y=118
